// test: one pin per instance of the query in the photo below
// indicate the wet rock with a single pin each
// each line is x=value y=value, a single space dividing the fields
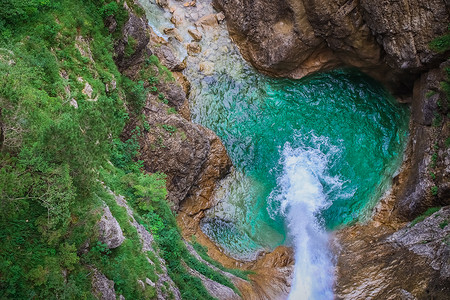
x=207 y=21
x=196 y=35
x=109 y=230
x=206 y=67
x=173 y=32
x=193 y=48
x=102 y=287
x=163 y=3
x=177 y=17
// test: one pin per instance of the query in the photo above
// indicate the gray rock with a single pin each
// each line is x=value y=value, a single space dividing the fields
x=174 y=94
x=168 y=58
x=430 y=239
x=135 y=28
x=102 y=287
x=149 y=282
x=387 y=39
x=215 y=289
x=109 y=230
x=414 y=195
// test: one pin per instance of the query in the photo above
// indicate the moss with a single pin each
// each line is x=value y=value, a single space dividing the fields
x=422 y=217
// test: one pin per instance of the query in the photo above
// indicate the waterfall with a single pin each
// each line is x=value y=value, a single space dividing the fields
x=301 y=196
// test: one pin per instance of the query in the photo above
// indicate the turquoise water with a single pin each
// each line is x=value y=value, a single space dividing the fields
x=310 y=155
x=348 y=117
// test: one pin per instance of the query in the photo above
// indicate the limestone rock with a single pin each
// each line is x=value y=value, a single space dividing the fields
x=206 y=67
x=215 y=289
x=177 y=17
x=414 y=195
x=405 y=28
x=376 y=262
x=430 y=239
x=109 y=230
x=173 y=32
x=102 y=287
x=207 y=21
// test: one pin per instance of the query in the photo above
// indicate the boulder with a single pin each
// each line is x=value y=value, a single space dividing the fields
x=109 y=230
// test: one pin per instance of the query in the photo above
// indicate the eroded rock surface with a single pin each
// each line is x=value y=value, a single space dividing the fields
x=131 y=49
x=388 y=40
x=428 y=158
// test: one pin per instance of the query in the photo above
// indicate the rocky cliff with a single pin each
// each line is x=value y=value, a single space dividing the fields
x=388 y=40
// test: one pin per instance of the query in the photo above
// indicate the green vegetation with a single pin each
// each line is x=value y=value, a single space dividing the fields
x=171 y=111
x=422 y=217
x=434 y=190
x=169 y=128
x=442 y=43
x=130 y=48
x=443 y=224
x=146 y=194
x=59 y=146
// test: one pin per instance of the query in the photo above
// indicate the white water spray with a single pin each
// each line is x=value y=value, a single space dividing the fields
x=301 y=197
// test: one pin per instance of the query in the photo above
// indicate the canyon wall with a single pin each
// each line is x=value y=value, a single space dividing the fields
x=388 y=40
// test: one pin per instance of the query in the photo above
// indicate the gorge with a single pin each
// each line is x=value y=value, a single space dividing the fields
x=302 y=147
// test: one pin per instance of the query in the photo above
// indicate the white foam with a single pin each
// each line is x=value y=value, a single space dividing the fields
x=301 y=196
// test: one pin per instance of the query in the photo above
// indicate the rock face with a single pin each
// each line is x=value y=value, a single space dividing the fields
x=388 y=40
x=428 y=163
x=412 y=263
x=109 y=230
x=131 y=49
x=182 y=150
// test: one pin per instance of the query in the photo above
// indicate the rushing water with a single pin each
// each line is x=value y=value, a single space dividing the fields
x=310 y=155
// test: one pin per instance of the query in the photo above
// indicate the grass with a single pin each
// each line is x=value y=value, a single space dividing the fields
x=422 y=217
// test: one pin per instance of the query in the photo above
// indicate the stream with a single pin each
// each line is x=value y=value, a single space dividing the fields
x=309 y=155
